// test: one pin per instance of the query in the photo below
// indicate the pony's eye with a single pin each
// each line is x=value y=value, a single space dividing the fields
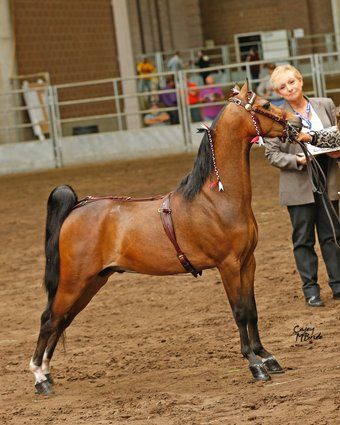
x=266 y=105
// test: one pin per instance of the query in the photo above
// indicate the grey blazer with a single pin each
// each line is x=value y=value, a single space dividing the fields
x=295 y=187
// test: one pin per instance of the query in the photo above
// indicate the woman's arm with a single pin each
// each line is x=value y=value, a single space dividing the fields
x=326 y=138
x=279 y=159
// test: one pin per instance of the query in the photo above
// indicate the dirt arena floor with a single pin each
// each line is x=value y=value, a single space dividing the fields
x=161 y=351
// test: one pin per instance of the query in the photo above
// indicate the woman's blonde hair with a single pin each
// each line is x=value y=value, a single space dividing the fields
x=281 y=69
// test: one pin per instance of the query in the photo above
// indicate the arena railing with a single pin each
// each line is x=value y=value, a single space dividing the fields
x=116 y=104
x=328 y=65
x=70 y=101
x=230 y=53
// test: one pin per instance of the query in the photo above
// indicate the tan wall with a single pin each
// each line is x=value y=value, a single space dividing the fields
x=336 y=18
x=221 y=19
x=321 y=17
x=186 y=24
x=72 y=40
x=165 y=25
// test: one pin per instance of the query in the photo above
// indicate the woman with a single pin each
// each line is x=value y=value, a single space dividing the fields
x=305 y=207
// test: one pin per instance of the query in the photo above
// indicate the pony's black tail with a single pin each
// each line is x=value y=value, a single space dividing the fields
x=59 y=205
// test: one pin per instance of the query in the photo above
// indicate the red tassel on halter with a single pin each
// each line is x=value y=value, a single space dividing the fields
x=255 y=139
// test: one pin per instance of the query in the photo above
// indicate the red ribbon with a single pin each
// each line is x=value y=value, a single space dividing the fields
x=255 y=139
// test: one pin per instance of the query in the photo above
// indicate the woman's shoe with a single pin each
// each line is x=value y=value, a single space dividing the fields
x=315 y=301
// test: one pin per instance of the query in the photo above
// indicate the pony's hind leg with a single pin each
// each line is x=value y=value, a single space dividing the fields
x=239 y=296
x=63 y=321
x=47 y=328
x=51 y=345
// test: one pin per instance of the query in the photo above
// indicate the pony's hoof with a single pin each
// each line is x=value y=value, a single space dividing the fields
x=49 y=378
x=272 y=365
x=259 y=372
x=44 y=388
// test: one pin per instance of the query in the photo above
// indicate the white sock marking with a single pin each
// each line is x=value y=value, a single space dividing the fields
x=38 y=373
x=45 y=366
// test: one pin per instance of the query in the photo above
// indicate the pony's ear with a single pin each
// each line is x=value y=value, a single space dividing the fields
x=235 y=90
x=244 y=89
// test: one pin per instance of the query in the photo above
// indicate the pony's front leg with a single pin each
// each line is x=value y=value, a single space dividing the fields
x=268 y=359
x=242 y=305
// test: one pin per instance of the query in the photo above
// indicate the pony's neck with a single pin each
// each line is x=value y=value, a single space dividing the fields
x=232 y=160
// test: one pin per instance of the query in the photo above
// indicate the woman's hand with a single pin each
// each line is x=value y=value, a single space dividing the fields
x=301 y=160
x=304 y=138
x=334 y=155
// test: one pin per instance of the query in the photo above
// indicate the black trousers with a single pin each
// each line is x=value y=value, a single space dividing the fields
x=305 y=218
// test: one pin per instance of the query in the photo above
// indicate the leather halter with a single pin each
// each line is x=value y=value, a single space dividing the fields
x=253 y=110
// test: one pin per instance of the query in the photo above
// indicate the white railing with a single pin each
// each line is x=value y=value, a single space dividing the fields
x=230 y=53
x=115 y=104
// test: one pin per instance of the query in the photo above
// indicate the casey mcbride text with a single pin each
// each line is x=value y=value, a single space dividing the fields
x=307 y=333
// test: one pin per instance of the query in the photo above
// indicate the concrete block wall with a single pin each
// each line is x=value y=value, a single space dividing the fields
x=148 y=142
x=24 y=157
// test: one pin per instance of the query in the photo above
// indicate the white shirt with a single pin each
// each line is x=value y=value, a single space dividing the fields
x=315 y=121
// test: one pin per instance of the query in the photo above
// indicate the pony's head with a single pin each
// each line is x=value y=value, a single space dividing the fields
x=261 y=118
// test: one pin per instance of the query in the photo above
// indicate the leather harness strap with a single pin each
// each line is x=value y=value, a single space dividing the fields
x=165 y=213
x=90 y=199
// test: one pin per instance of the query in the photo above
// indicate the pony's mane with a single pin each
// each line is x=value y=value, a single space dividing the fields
x=192 y=183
